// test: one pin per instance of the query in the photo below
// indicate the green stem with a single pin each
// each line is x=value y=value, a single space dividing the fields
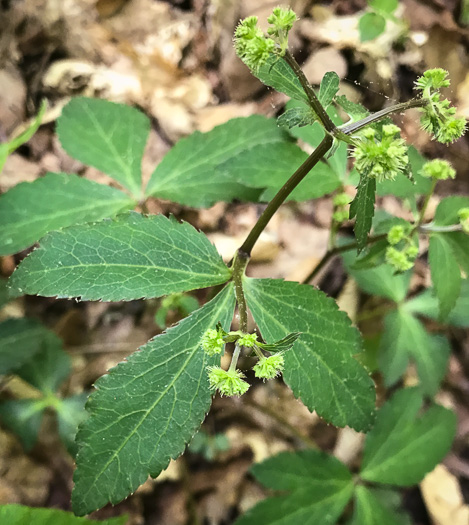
x=284 y=192
x=424 y=207
x=335 y=251
x=348 y=129
x=433 y=228
x=316 y=106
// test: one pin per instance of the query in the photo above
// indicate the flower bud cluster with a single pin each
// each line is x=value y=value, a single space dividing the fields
x=231 y=382
x=463 y=215
x=438 y=169
x=438 y=115
x=381 y=155
x=253 y=47
x=401 y=259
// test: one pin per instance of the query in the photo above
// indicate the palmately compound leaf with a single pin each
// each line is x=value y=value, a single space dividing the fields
x=276 y=73
x=31 y=209
x=363 y=208
x=405 y=338
x=110 y=137
x=22 y=515
x=445 y=272
x=320 y=368
x=270 y=167
x=403 y=446
x=20 y=341
x=372 y=508
x=328 y=88
x=190 y=172
x=127 y=258
x=319 y=487
x=146 y=409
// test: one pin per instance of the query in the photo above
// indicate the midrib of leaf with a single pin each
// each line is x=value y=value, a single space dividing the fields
x=410 y=444
x=190 y=356
x=105 y=136
x=317 y=356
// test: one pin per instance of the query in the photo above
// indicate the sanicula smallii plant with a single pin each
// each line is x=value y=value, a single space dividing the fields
x=146 y=409
x=379 y=153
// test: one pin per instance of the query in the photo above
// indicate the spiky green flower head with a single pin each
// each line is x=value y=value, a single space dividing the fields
x=382 y=155
x=396 y=234
x=212 y=342
x=227 y=382
x=341 y=199
x=251 y=45
x=282 y=21
x=463 y=215
x=399 y=260
x=438 y=169
x=340 y=215
x=248 y=340
x=269 y=367
x=438 y=116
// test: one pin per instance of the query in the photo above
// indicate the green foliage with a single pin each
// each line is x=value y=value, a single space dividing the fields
x=314 y=487
x=318 y=489
x=183 y=303
x=64 y=201
x=373 y=22
x=209 y=446
x=363 y=208
x=320 y=368
x=45 y=370
x=401 y=449
x=146 y=409
x=110 y=137
x=7 y=148
x=21 y=515
x=127 y=258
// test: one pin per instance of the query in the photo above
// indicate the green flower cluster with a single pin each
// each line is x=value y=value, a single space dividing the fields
x=227 y=382
x=438 y=169
x=253 y=47
x=401 y=259
x=269 y=367
x=438 y=116
x=248 y=340
x=463 y=215
x=381 y=155
x=341 y=202
x=212 y=342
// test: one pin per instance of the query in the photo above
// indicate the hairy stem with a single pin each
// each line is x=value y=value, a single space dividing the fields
x=316 y=106
x=348 y=129
x=284 y=192
x=424 y=207
x=335 y=251
x=429 y=228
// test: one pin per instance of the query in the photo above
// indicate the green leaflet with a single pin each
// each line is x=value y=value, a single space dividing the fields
x=20 y=340
x=363 y=208
x=401 y=449
x=22 y=515
x=146 y=409
x=447 y=210
x=50 y=366
x=381 y=280
x=31 y=209
x=426 y=304
x=282 y=345
x=405 y=338
x=127 y=258
x=320 y=368
x=110 y=137
x=270 y=167
x=190 y=172
x=70 y=413
x=328 y=88
x=387 y=6
x=296 y=116
x=370 y=509
x=353 y=109
x=319 y=487
x=276 y=73
x=446 y=276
